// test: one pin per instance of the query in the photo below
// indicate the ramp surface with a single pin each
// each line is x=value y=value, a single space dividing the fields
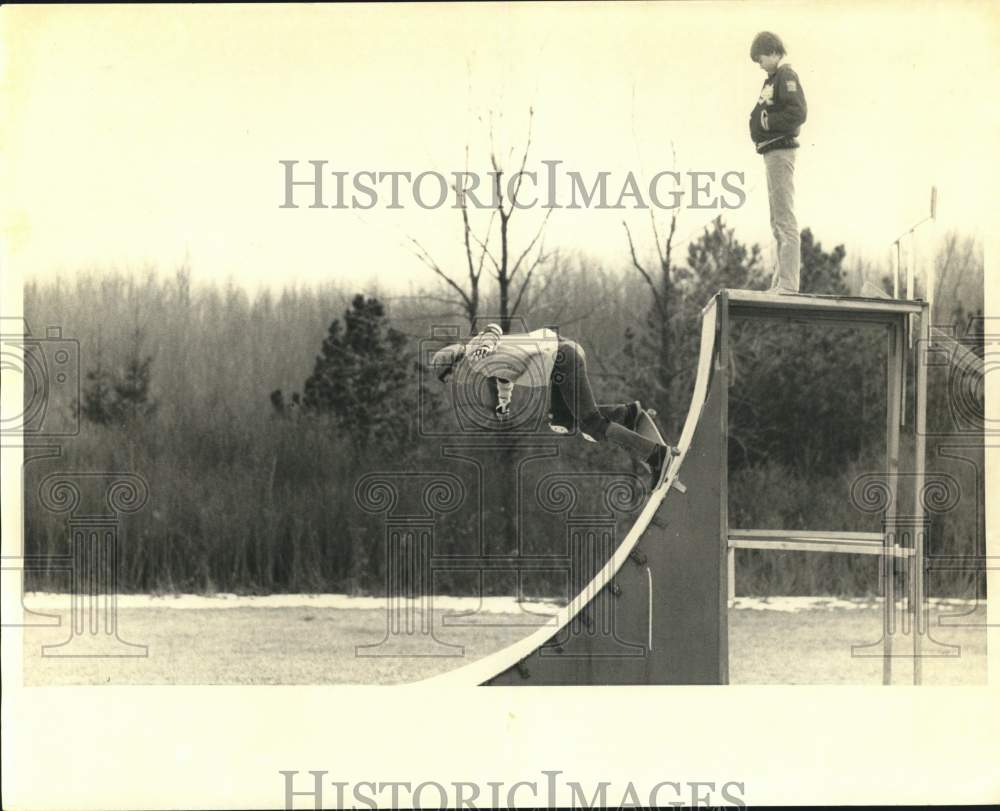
x=643 y=619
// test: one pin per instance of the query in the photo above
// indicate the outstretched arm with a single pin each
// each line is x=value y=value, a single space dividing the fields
x=484 y=343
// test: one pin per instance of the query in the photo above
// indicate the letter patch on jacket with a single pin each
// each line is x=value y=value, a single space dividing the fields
x=791 y=86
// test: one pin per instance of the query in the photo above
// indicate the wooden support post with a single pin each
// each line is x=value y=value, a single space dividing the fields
x=894 y=407
x=731 y=574
x=723 y=370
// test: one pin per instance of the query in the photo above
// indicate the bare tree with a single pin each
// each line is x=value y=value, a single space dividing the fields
x=493 y=251
x=465 y=295
x=958 y=278
x=513 y=274
x=660 y=321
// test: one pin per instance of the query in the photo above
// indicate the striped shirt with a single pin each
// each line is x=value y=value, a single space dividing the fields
x=524 y=359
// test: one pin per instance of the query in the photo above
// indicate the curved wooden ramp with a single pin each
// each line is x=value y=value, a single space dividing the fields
x=643 y=618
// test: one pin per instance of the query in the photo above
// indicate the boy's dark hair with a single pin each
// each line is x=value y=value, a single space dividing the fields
x=766 y=43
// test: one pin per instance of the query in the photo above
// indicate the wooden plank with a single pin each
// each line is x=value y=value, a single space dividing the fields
x=806 y=545
x=731 y=576
x=810 y=545
x=811 y=318
x=722 y=539
x=740 y=300
x=804 y=533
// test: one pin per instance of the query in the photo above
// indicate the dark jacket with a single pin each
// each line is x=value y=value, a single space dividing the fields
x=782 y=106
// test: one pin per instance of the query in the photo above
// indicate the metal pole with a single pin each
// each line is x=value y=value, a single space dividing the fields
x=910 y=272
x=920 y=458
x=895 y=273
x=911 y=269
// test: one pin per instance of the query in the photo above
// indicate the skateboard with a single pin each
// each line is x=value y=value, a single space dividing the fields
x=646 y=426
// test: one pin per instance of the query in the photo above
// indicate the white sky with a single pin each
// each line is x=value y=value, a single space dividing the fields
x=147 y=135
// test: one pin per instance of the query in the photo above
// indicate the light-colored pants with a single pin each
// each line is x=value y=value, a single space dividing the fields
x=780 y=167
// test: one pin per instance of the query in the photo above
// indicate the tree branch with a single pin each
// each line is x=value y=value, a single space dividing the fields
x=425 y=257
x=638 y=266
x=531 y=244
x=524 y=158
x=542 y=257
x=484 y=247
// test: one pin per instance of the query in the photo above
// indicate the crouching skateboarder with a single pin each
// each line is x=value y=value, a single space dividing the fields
x=542 y=359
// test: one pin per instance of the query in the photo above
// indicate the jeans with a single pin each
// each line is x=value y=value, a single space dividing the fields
x=780 y=167
x=572 y=399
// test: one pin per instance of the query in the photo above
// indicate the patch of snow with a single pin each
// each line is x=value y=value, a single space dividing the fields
x=40 y=601
x=804 y=603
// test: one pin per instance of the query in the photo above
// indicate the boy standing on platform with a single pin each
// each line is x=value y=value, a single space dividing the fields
x=774 y=123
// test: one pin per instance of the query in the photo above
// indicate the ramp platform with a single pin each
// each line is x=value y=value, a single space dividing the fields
x=656 y=612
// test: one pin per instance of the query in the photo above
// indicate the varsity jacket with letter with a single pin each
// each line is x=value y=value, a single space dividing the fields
x=779 y=112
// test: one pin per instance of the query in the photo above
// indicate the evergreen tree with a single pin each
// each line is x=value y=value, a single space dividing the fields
x=119 y=397
x=822 y=273
x=801 y=394
x=718 y=260
x=808 y=395
x=98 y=396
x=361 y=376
x=131 y=389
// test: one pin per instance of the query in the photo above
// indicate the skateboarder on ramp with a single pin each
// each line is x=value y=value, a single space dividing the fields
x=673 y=525
x=543 y=359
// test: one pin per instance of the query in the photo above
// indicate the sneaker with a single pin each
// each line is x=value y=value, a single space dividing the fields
x=633 y=410
x=556 y=428
x=559 y=427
